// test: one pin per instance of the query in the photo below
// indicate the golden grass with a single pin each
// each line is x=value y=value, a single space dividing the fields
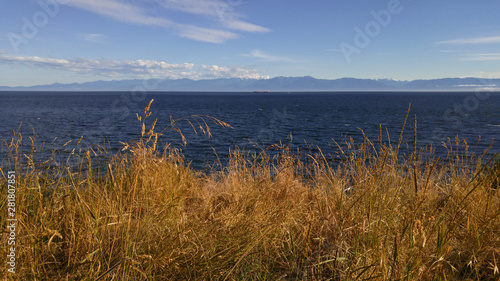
x=146 y=215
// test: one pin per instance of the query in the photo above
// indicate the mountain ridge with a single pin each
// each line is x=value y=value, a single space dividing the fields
x=279 y=83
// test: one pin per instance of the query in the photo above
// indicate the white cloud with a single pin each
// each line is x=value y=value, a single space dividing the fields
x=205 y=34
x=216 y=10
x=486 y=75
x=222 y=11
x=199 y=7
x=480 y=40
x=267 y=57
x=481 y=57
x=215 y=71
x=120 y=11
x=92 y=37
x=135 y=68
x=244 y=26
x=104 y=67
x=3 y=52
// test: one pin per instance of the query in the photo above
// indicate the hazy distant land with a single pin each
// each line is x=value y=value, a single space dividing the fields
x=306 y=83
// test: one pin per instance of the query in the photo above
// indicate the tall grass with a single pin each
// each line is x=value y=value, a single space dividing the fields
x=146 y=215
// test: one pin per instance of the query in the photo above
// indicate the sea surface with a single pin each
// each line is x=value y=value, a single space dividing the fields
x=302 y=120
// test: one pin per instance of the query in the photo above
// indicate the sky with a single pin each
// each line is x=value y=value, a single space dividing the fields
x=68 y=41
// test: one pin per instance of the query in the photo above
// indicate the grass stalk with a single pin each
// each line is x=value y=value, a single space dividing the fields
x=376 y=214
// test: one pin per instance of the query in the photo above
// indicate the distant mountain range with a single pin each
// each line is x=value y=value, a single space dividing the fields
x=306 y=83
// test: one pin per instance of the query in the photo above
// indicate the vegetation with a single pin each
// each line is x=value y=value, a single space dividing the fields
x=145 y=214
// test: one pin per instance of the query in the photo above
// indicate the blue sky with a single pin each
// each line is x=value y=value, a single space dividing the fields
x=66 y=41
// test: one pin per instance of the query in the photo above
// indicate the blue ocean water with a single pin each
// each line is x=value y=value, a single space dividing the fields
x=257 y=119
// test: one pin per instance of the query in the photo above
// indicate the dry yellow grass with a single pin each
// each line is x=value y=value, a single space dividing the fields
x=146 y=215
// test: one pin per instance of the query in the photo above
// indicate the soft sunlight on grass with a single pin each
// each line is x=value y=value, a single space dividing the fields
x=144 y=214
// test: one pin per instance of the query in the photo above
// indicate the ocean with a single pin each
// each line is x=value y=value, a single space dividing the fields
x=303 y=120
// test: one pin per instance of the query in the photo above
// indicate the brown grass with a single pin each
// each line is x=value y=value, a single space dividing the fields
x=147 y=215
